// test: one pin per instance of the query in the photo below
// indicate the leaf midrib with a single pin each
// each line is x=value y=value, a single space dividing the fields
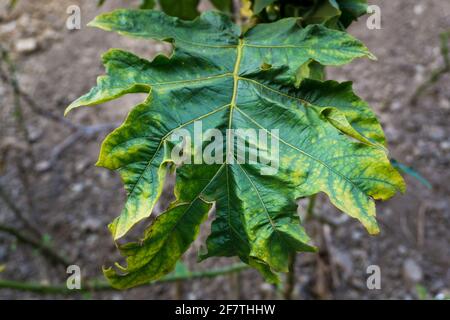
x=233 y=105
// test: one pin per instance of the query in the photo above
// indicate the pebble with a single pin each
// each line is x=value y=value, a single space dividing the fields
x=396 y=105
x=8 y=27
x=392 y=134
x=412 y=273
x=42 y=166
x=91 y=224
x=445 y=145
x=402 y=249
x=344 y=261
x=444 y=104
x=437 y=133
x=266 y=288
x=27 y=45
x=419 y=9
x=78 y=187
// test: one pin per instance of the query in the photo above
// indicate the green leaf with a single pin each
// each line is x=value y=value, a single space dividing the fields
x=181 y=270
x=12 y=4
x=166 y=240
x=326 y=12
x=329 y=140
x=147 y=4
x=144 y=4
x=223 y=5
x=259 y=5
x=184 y=9
x=351 y=10
x=338 y=14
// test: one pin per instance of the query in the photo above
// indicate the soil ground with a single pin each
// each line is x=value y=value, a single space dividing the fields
x=71 y=201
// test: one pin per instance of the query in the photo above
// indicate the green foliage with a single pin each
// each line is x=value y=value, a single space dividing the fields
x=333 y=13
x=184 y=9
x=144 y=4
x=223 y=5
x=329 y=139
x=12 y=4
x=147 y=4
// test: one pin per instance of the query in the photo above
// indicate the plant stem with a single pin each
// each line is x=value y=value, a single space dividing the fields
x=46 y=250
x=96 y=286
x=290 y=277
x=17 y=212
x=310 y=209
x=435 y=74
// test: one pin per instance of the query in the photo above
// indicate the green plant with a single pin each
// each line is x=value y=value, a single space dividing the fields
x=185 y=9
x=261 y=76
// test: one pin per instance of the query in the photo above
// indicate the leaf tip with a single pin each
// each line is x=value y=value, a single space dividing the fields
x=373 y=229
x=371 y=56
x=95 y=22
x=69 y=108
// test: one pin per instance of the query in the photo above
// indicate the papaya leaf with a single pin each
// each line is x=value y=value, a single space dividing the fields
x=260 y=5
x=337 y=14
x=147 y=4
x=184 y=9
x=223 y=5
x=351 y=10
x=328 y=138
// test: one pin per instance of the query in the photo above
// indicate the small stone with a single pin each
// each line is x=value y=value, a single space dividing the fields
x=396 y=105
x=443 y=295
x=356 y=235
x=91 y=224
x=444 y=104
x=42 y=166
x=192 y=296
x=392 y=134
x=412 y=272
x=8 y=27
x=419 y=9
x=402 y=249
x=445 y=145
x=344 y=261
x=35 y=133
x=78 y=187
x=26 y=45
x=437 y=133
x=266 y=288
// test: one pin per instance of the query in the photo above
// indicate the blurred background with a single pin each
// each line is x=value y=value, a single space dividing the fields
x=55 y=204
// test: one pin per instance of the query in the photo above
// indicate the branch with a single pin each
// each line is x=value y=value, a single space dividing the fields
x=310 y=210
x=290 y=277
x=17 y=212
x=435 y=74
x=97 y=286
x=45 y=249
x=34 y=107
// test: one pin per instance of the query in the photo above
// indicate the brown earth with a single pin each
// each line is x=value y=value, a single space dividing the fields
x=71 y=201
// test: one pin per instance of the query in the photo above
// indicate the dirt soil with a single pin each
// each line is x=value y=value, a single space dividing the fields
x=71 y=201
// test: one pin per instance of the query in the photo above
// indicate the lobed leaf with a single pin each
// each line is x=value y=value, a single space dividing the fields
x=329 y=139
